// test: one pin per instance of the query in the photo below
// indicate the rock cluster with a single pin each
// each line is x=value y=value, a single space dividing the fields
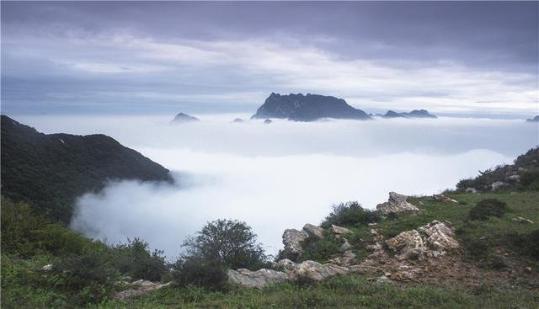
x=138 y=288
x=397 y=203
x=256 y=279
x=433 y=239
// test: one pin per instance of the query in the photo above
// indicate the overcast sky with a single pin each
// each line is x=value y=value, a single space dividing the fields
x=214 y=57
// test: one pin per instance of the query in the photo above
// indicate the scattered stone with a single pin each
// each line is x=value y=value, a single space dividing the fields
x=498 y=185
x=383 y=280
x=372 y=224
x=267 y=121
x=515 y=178
x=444 y=199
x=315 y=271
x=256 y=279
x=314 y=231
x=528 y=269
x=47 y=267
x=140 y=287
x=339 y=230
x=348 y=258
x=522 y=220
x=407 y=245
x=396 y=204
x=470 y=190
x=292 y=240
x=440 y=236
x=345 y=245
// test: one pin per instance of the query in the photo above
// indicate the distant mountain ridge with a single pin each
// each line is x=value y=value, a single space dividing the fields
x=416 y=113
x=51 y=170
x=310 y=107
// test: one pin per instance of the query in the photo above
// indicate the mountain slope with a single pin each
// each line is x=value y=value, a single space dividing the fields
x=308 y=107
x=51 y=170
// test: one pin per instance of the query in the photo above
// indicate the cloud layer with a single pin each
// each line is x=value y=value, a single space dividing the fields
x=281 y=175
x=211 y=57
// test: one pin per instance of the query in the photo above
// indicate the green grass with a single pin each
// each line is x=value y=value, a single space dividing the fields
x=343 y=292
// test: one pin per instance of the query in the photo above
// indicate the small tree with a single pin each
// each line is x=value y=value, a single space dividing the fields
x=230 y=243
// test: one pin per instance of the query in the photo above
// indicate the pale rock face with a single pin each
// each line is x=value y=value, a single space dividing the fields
x=140 y=287
x=497 y=185
x=407 y=245
x=470 y=190
x=315 y=271
x=256 y=279
x=440 y=236
x=396 y=204
x=345 y=245
x=314 y=231
x=292 y=240
x=522 y=220
x=444 y=199
x=339 y=230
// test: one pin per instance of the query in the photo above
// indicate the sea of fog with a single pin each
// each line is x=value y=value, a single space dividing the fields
x=280 y=175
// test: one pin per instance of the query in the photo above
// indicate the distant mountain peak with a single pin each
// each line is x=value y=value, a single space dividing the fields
x=416 y=113
x=309 y=107
x=182 y=117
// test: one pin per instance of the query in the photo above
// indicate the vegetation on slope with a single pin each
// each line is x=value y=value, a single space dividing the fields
x=49 y=171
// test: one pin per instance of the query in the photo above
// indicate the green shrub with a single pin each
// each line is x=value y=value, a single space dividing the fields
x=488 y=208
x=530 y=181
x=350 y=213
x=320 y=249
x=228 y=242
x=90 y=276
x=136 y=260
x=200 y=272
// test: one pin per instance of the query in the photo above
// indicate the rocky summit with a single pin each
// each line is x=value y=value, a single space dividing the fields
x=416 y=113
x=183 y=118
x=310 y=107
x=397 y=203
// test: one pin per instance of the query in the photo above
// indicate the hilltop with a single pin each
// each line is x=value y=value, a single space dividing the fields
x=49 y=171
x=310 y=107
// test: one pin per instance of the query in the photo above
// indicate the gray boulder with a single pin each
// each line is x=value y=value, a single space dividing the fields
x=256 y=279
x=311 y=270
x=292 y=240
x=138 y=288
x=314 y=231
x=339 y=230
x=407 y=245
x=439 y=236
x=397 y=203
x=497 y=185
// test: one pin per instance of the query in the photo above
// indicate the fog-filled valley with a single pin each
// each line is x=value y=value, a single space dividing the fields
x=279 y=175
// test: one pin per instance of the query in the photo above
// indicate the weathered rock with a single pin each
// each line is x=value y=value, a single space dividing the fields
x=47 y=267
x=407 y=245
x=444 y=199
x=383 y=280
x=396 y=204
x=346 y=259
x=314 y=231
x=522 y=220
x=345 y=245
x=315 y=271
x=440 y=236
x=292 y=240
x=256 y=279
x=515 y=178
x=140 y=287
x=470 y=190
x=339 y=230
x=285 y=264
x=497 y=185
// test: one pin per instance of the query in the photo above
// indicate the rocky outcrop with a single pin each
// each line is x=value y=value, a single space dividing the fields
x=138 y=288
x=407 y=245
x=444 y=199
x=314 y=231
x=431 y=240
x=256 y=279
x=310 y=107
x=397 y=203
x=339 y=231
x=292 y=240
x=314 y=271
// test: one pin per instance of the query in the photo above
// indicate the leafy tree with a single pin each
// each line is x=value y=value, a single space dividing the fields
x=230 y=243
x=136 y=260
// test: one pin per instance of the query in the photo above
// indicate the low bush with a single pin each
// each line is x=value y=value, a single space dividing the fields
x=320 y=249
x=200 y=272
x=488 y=208
x=136 y=260
x=350 y=213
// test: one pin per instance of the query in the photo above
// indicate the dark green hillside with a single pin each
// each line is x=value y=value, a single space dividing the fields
x=522 y=175
x=50 y=170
